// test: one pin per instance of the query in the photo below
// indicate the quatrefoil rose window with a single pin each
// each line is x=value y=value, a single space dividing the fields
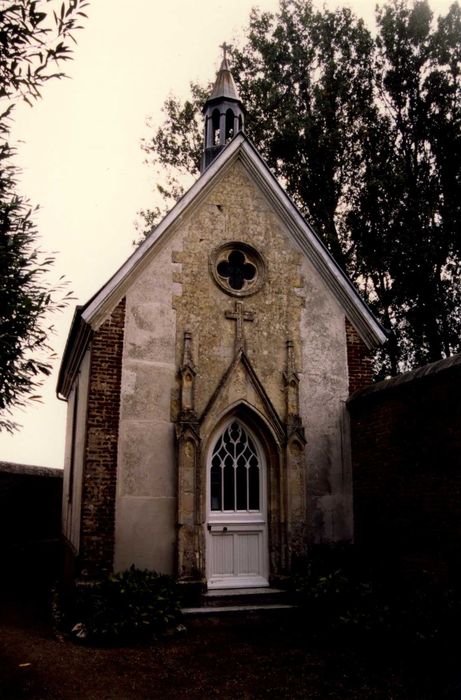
x=238 y=269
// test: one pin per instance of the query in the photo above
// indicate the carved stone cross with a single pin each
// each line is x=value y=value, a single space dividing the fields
x=239 y=315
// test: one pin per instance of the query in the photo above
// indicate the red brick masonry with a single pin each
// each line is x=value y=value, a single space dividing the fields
x=358 y=360
x=100 y=460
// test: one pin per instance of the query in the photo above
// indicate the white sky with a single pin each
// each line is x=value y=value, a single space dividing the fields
x=81 y=155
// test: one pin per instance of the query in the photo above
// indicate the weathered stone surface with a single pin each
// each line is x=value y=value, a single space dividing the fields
x=235 y=211
x=147 y=458
x=146 y=338
x=147 y=391
x=176 y=293
x=147 y=480
x=323 y=392
x=144 y=534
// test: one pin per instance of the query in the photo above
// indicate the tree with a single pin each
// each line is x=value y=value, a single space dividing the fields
x=33 y=42
x=406 y=217
x=365 y=134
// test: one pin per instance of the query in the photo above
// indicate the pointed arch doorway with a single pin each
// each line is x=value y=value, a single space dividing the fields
x=237 y=552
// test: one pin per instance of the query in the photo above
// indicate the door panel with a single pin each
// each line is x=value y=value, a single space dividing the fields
x=223 y=554
x=248 y=554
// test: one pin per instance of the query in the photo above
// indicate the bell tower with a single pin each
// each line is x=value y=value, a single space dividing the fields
x=224 y=114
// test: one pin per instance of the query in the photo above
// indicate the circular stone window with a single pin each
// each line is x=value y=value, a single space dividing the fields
x=238 y=269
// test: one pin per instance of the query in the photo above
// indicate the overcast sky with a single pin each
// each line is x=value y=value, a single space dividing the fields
x=81 y=155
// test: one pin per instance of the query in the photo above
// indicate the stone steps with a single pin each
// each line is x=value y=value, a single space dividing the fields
x=237 y=600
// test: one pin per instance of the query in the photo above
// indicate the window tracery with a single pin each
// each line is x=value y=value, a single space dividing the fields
x=238 y=269
x=235 y=472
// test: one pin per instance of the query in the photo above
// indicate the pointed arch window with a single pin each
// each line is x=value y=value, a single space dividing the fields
x=235 y=474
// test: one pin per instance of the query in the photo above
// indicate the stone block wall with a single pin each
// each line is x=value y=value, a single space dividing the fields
x=100 y=463
x=406 y=451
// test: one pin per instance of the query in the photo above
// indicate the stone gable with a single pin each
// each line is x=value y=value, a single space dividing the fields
x=236 y=211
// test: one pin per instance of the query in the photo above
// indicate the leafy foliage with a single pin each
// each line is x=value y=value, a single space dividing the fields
x=406 y=218
x=365 y=134
x=32 y=44
x=132 y=605
x=339 y=593
x=26 y=298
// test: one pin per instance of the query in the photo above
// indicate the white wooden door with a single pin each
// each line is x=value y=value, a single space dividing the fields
x=237 y=548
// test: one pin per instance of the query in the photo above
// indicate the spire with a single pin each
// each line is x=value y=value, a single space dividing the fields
x=223 y=110
x=224 y=87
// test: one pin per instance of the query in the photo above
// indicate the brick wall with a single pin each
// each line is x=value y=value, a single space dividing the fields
x=30 y=524
x=358 y=360
x=406 y=450
x=100 y=460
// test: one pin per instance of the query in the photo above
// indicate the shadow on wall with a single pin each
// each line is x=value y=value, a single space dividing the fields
x=30 y=524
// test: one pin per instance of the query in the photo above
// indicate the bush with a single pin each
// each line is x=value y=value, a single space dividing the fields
x=133 y=605
x=341 y=595
x=337 y=596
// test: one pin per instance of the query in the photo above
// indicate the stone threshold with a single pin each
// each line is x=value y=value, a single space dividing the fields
x=223 y=592
x=215 y=609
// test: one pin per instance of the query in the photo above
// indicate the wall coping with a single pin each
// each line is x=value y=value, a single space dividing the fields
x=30 y=470
x=453 y=362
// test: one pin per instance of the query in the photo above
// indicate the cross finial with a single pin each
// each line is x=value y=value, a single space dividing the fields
x=225 y=48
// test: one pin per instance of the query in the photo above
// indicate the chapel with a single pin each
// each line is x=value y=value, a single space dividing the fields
x=207 y=380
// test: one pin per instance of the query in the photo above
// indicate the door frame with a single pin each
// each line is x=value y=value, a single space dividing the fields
x=237 y=525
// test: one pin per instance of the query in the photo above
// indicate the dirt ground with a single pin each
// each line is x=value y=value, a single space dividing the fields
x=243 y=657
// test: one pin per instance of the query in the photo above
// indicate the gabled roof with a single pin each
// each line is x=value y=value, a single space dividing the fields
x=239 y=149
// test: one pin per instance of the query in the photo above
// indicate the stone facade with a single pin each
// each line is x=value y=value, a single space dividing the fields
x=231 y=312
x=185 y=370
x=235 y=211
x=147 y=474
